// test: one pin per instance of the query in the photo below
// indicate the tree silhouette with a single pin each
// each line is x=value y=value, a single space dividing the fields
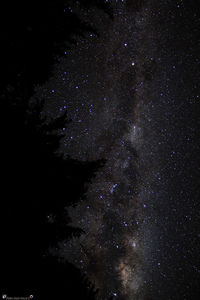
x=38 y=183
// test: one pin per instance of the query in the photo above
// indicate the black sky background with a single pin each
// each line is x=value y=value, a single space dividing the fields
x=34 y=179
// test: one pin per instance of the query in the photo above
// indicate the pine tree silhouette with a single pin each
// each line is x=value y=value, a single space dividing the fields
x=36 y=180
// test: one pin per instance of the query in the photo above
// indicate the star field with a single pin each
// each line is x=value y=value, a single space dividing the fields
x=130 y=93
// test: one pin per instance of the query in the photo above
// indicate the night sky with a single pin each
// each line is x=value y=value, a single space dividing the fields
x=102 y=150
